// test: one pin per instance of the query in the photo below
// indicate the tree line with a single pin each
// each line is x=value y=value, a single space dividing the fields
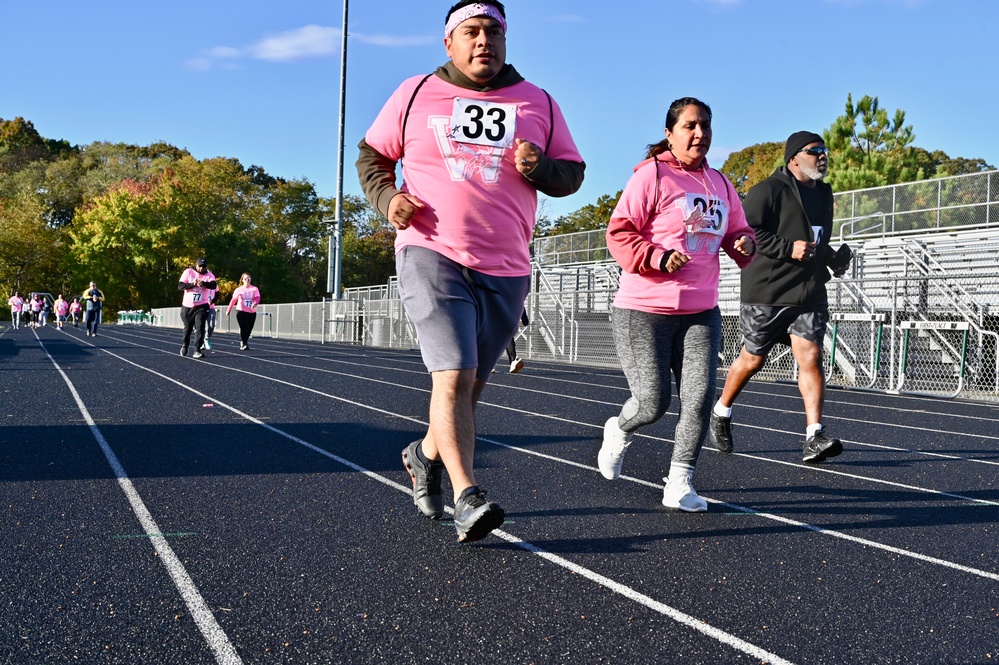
x=133 y=217
x=868 y=147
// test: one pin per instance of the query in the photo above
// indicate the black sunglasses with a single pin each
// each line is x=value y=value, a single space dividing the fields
x=815 y=152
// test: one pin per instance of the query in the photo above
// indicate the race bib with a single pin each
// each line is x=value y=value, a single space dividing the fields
x=705 y=221
x=248 y=304
x=483 y=123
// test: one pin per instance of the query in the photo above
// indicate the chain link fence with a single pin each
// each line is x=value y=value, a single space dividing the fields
x=918 y=313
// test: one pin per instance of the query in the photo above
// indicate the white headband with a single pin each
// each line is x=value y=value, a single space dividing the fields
x=471 y=11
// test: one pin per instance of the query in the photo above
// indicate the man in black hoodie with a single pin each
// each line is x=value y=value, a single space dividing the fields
x=784 y=289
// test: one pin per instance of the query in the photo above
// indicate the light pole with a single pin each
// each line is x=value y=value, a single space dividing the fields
x=336 y=238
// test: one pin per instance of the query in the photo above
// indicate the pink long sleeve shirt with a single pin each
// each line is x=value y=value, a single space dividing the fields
x=656 y=213
x=196 y=296
x=479 y=210
x=245 y=299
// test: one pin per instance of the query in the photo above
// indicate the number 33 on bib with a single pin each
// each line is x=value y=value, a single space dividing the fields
x=483 y=123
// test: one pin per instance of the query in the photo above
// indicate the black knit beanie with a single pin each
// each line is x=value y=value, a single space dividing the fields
x=797 y=141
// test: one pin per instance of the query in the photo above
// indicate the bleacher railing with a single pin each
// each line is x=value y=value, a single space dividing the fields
x=898 y=330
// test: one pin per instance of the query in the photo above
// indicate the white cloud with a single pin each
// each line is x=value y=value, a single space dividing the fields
x=311 y=41
x=308 y=42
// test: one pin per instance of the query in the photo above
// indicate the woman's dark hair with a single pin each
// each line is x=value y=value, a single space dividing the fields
x=495 y=3
x=672 y=115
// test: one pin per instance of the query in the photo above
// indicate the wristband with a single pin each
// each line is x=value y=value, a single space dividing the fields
x=662 y=262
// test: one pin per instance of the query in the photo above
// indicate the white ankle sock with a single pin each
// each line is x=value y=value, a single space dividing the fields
x=812 y=430
x=723 y=411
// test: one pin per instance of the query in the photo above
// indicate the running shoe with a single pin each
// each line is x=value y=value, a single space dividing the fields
x=197 y=355
x=516 y=365
x=680 y=494
x=474 y=517
x=244 y=347
x=819 y=447
x=427 y=493
x=183 y=349
x=208 y=344
x=720 y=430
x=615 y=445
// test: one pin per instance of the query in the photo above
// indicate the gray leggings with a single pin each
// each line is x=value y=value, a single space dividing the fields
x=649 y=346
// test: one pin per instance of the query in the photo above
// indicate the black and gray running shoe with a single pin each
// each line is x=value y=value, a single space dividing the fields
x=427 y=493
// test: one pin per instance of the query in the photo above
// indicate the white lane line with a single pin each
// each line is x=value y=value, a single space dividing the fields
x=777 y=518
x=218 y=641
x=811 y=468
x=770 y=516
x=631 y=594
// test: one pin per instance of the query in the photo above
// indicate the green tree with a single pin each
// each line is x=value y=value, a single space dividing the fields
x=591 y=217
x=32 y=254
x=867 y=148
x=20 y=144
x=754 y=164
x=368 y=245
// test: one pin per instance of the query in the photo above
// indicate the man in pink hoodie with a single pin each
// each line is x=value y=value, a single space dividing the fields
x=477 y=143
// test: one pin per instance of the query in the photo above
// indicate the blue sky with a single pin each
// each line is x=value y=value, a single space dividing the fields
x=259 y=80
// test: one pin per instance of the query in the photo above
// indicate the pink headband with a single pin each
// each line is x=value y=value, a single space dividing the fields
x=471 y=11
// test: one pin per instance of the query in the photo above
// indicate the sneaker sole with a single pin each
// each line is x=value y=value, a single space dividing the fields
x=832 y=451
x=409 y=469
x=482 y=527
x=685 y=510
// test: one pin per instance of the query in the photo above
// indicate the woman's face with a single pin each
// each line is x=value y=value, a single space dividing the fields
x=246 y=280
x=690 y=137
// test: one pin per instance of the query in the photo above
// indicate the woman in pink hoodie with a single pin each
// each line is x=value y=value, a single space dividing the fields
x=674 y=217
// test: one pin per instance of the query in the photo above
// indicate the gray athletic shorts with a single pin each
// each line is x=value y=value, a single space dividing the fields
x=763 y=326
x=463 y=318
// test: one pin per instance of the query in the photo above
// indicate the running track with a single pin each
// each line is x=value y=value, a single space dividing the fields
x=252 y=508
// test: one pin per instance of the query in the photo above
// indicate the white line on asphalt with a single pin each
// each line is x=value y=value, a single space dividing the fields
x=218 y=641
x=633 y=595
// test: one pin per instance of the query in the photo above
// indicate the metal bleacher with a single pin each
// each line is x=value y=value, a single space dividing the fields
x=917 y=312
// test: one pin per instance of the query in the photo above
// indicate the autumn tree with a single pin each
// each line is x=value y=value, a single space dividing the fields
x=754 y=164
x=32 y=254
x=591 y=217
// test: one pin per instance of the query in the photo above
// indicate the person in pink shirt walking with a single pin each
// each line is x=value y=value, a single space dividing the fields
x=674 y=217
x=477 y=143
x=61 y=308
x=245 y=299
x=198 y=284
x=16 y=303
x=74 y=311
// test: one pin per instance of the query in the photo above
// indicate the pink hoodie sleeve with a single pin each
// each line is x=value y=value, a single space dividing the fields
x=625 y=240
x=235 y=298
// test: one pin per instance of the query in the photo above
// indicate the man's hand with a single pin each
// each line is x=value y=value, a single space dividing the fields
x=745 y=245
x=402 y=209
x=803 y=250
x=526 y=156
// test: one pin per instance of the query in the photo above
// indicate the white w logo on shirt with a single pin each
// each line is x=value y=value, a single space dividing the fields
x=464 y=161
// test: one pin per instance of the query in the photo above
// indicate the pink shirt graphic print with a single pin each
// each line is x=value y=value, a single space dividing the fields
x=458 y=159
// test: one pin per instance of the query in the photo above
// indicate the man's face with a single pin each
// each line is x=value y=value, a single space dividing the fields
x=813 y=160
x=201 y=268
x=93 y=286
x=477 y=47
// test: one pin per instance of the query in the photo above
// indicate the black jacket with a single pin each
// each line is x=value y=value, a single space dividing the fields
x=774 y=210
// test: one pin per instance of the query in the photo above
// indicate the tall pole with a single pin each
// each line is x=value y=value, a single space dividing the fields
x=336 y=238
